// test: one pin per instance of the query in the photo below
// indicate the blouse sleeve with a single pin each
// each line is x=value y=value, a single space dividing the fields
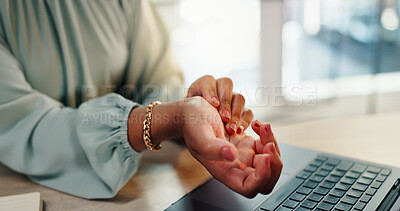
x=153 y=69
x=84 y=151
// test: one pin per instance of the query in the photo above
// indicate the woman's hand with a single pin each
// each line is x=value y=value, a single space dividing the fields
x=245 y=165
x=230 y=105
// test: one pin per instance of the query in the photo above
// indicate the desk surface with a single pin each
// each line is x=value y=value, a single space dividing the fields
x=167 y=175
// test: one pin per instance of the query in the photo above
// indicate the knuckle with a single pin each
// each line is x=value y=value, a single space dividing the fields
x=208 y=77
x=226 y=81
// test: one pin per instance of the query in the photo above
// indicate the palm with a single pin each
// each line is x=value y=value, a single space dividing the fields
x=244 y=162
x=256 y=165
x=238 y=175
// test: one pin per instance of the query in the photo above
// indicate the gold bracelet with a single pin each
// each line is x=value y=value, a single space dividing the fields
x=146 y=128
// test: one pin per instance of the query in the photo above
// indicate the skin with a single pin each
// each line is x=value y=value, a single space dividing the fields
x=218 y=92
x=244 y=164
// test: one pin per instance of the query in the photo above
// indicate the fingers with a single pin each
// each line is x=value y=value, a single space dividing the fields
x=267 y=136
x=267 y=145
x=256 y=181
x=237 y=106
x=245 y=121
x=214 y=149
x=224 y=90
x=256 y=126
x=262 y=165
x=276 y=166
x=207 y=88
x=230 y=106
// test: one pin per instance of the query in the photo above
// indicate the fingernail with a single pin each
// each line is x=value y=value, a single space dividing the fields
x=215 y=101
x=226 y=116
x=227 y=154
x=272 y=148
x=240 y=130
x=257 y=123
x=268 y=128
x=233 y=126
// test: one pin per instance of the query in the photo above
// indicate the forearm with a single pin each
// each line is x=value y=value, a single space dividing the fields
x=165 y=124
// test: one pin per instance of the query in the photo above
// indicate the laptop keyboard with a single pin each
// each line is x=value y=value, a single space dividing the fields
x=328 y=183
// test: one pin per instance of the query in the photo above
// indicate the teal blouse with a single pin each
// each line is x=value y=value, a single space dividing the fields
x=59 y=60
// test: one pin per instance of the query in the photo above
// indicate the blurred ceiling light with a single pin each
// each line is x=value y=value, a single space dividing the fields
x=312 y=16
x=389 y=19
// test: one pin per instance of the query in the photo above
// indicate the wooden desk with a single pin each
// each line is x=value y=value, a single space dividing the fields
x=166 y=176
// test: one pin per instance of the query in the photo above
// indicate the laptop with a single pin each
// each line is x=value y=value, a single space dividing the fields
x=310 y=180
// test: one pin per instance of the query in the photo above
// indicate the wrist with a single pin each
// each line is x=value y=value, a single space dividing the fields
x=165 y=124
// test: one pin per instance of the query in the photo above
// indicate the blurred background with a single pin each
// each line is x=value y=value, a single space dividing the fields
x=293 y=60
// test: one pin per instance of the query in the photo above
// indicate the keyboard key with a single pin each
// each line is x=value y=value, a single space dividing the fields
x=337 y=192
x=310 y=184
x=316 y=163
x=365 y=198
x=308 y=204
x=368 y=175
x=283 y=209
x=316 y=178
x=322 y=172
x=385 y=172
x=342 y=186
x=364 y=181
x=321 y=158
x=376 y=185
x=331 y=199
x=348 y=180
x=338 y=173
x=321 y=190
x=303 y=175
x=352 y=174
x=359 y=206
x=332 y=178
x=349 y=200
x=297 y=197
x=304 y=190
x=327 y=184
x=282 y=193
x=310 y=168
x=370 y=191
x=315 y=197
x=333 y=161
x=325 y=206
x=343 y=206
x=381 y=178
x=302 y=209
x=327 y=167
x=355 y=193
x=290 y=204
x=360 y=187
x=344 y=165
x=358 y=167
x=373 y=169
